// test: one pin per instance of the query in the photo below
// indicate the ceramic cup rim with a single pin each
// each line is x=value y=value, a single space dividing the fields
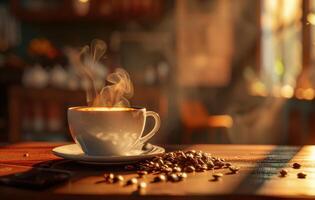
x=104 y=109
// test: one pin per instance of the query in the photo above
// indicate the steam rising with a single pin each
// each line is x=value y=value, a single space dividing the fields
x=119 y=86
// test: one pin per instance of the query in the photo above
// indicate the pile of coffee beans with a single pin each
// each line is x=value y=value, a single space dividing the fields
x=188 y=162
x=173 y=167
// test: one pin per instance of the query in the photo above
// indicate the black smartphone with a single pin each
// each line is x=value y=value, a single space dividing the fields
x=31 y=177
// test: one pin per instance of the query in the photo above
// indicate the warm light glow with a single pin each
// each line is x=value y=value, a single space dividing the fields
x=220 y=121
x=291 y=11
x=308 y=94
x=287 y=91
x=258 y=88
x=299 y=93
x=311 y=18
x=311 y=155
x=279 y=68
x=200 y=60
x=83 y=1
x=276 y=91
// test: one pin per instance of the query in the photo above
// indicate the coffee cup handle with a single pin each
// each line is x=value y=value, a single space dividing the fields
x=155 y=128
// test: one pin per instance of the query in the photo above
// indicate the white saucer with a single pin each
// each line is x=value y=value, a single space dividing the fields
x=74 y=152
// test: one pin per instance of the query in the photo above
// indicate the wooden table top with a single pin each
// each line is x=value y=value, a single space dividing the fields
x=257 y=179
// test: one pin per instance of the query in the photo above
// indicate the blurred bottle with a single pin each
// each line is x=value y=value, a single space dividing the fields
x=150 y=75
x=35 y=77
x=58 y=77
x=162 y=72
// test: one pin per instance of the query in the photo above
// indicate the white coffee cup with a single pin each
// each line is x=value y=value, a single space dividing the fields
x=110 y=131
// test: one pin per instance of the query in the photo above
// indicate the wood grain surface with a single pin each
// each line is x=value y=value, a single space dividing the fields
x=258 y=178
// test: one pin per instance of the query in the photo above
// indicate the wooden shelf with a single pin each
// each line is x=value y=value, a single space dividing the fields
x=53 y=103
x=118 y=10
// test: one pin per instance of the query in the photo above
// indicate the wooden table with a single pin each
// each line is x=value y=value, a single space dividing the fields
x=258 y=178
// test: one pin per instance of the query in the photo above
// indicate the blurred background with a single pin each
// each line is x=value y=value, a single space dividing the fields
x=217 y=71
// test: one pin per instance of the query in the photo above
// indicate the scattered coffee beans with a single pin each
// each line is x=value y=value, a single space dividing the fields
x=283 y=172
x=173 y=166
x=301 y=175
x=296 y=165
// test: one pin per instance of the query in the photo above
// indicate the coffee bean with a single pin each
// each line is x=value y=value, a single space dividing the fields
x=168 y=163
x=142 y=173
x=219 y=164
x=200 y=169
x=168 y=169
x=132 y=181
x=205 y=154
x=173 y=177
x=283 y=172
x=190 y=169
x=142 y=185
x=161 y=162
x=177 y=169
x=109 y=178
x=160 y=178
x=204 y=167
x=296 y=165
x=301 y=175
x=228 y=164
x=210 y=165
x=191 y=151
x=217 y=176
x=182 y=176
x=200 y=161
x=118 y=178
x=234 y=169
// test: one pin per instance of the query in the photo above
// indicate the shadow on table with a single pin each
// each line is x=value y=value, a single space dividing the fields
x=267 y=168
x=52 y=173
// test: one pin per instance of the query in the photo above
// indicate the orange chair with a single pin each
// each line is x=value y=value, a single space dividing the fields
x=195 y=117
